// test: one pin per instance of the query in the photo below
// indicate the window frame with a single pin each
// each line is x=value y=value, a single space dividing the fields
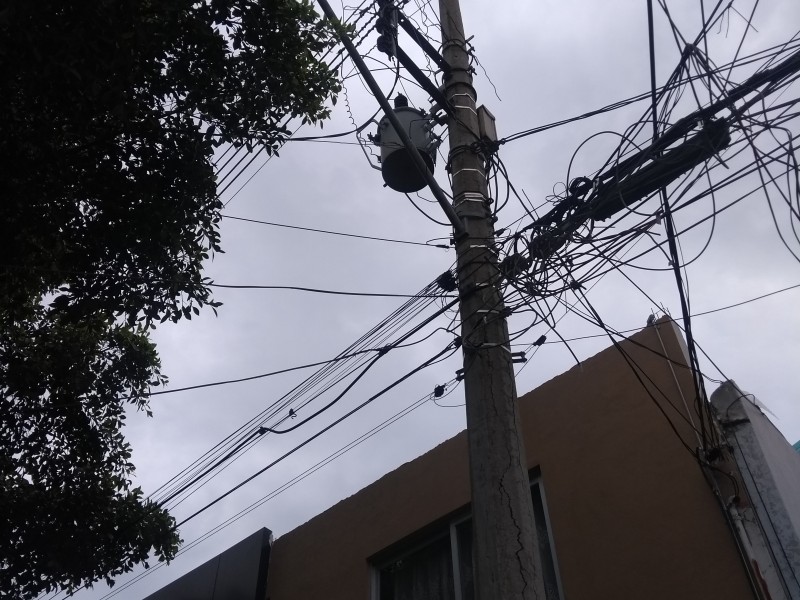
x=448 y=527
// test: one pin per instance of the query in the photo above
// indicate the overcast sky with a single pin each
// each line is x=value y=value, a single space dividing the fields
x=548 y=60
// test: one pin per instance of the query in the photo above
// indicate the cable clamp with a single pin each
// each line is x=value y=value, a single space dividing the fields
x=479 y=171
x=488 y=346
x=472 y=287
x=454 y=105
x=469 y=197
x=469 y=108
x=518 y=357
x=483 y=247
x=471 y=204
x=457 y=43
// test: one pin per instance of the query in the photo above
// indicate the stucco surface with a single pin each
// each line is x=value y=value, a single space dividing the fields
x=631 y=513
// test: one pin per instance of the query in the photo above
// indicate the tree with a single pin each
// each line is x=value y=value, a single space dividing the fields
x=111 y=111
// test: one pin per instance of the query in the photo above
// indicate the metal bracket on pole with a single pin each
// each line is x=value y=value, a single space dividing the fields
x=518 y=357
x=471 y=204
x=454 y=219
x=433 y=91
x=423 y=43
x=487 y=346
x=466 y=169
x=483 y=247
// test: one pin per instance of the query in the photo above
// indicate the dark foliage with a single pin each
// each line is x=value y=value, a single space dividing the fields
x=109 y=114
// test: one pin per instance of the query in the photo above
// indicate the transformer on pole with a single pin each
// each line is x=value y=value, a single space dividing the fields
x=398 y=168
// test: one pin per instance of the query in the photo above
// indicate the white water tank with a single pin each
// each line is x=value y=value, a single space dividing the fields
x=397 y=166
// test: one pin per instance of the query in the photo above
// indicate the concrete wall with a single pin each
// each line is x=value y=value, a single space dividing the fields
x=770 y=470
x=631 y=513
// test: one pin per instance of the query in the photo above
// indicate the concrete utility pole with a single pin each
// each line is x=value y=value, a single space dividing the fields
x=506 y=552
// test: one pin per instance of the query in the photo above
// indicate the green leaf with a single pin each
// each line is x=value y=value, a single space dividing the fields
x=110 y=210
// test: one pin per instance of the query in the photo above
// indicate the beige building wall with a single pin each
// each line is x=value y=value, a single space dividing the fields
x=631 y=513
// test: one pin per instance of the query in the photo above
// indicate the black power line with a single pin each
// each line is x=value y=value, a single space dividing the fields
x=339 y=233
x=450 y=348
x=321 y=291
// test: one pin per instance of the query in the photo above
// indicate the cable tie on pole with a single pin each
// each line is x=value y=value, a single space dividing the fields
x=487 y=346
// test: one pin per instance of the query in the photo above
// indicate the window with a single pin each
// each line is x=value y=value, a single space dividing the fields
x=544 y=535
x=441 y=567
x=424 y=574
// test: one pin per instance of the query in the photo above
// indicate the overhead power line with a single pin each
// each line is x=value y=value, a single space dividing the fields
x=282 y=488
x=639 y=97
x=320 y=291
x=340 y=233
x=697 y=314
x=378 y=337
x=263 y=429
x=270 y=374
x=450 y=348
x=715 y=310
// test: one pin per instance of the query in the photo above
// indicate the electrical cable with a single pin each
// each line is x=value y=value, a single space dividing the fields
x=371 y=339
x=339 y=233
x=269 y=374
x=316 y=435
x=426 y=215
x=284 y=404
x=635 y=370
x=431 y=361
x=320 y=291
x=285 y=486
x=628 y=101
